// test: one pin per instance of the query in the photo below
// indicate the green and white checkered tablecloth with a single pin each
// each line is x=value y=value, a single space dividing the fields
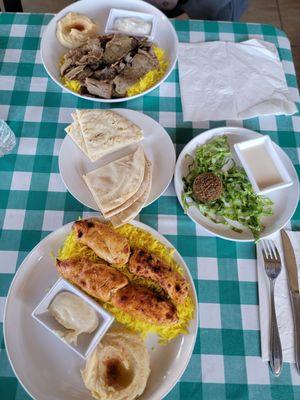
x=226 y=361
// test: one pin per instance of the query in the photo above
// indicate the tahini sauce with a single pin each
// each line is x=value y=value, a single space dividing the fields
x=262 y=166
x=132 y=25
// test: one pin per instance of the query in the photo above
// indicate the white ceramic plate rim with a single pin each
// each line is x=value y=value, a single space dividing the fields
x=204 y=137
x=150 y=200
x=160 y=238
x=99 y=100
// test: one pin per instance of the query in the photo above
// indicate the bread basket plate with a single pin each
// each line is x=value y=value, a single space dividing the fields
x=158 y=148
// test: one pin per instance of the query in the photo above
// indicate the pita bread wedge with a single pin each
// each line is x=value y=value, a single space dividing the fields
x=114 y=183
x=74 y=132
x=105 y=131
x=145 y=184
x=132 y=211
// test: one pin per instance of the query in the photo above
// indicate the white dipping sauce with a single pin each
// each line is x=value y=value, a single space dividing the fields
x=262 y=166
x=132 y=25
x=74 y=313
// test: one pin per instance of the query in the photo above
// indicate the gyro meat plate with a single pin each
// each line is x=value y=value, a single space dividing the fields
x=110 y=66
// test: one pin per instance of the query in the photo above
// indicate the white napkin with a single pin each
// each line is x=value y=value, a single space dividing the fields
x=227 y=80
x=282 y=302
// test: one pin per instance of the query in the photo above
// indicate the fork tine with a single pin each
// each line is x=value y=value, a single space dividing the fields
x=267 y=244
x=264 y=250
x=277 y=255
x=268 y=253
x=271 y=246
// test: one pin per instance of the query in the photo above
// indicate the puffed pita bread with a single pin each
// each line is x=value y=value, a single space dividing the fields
x=132 y=211
x=74 y=132
x=105 y=131
x=145 y=184
x=114 y=183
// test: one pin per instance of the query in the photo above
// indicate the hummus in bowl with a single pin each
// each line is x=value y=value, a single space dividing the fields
x=74 y=29
x=119 y=368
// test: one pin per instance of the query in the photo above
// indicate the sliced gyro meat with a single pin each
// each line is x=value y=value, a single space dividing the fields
x=105 y=74
x=141 y=63
x=98 y=88
x=118 y=47
x=74 y=72
x=64 y=67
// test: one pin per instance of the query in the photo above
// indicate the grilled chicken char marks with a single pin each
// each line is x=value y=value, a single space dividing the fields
x=144 y=304
x=105 y=241
x=97 y=279
x=107 y=284
x=151 y=267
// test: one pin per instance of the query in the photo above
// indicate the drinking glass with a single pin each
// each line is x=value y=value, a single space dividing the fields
x=7 y=138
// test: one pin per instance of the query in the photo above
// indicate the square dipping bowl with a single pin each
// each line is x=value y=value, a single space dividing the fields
x=262 y=164
x=86 y=342
x=119 y=13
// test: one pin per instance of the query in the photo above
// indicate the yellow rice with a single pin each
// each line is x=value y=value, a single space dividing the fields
x=71 y=84
x=138 y=238
x=144 y=83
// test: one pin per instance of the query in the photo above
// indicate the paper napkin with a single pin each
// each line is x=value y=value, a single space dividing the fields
x=282 y=302
x=227 y=80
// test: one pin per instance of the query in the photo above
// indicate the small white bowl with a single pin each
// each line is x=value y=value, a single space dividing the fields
x=119 y=13
x=263 y=146
x=86 y=342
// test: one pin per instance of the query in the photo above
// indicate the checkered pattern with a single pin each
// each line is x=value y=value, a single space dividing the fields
x=226 y=360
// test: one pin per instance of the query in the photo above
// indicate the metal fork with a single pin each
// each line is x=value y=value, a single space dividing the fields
x=273 y=267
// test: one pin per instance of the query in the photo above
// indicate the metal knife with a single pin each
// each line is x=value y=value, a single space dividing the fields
x=292 y=273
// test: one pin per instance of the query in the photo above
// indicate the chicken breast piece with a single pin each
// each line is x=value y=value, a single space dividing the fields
x=95 y=278
x=105 y=241
x=151 y=267
x=144 y=304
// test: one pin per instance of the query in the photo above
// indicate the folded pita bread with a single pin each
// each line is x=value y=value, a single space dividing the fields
x=132 y=211
x=105 y=131
x=74 y=132
x=145 y=184
x=114 y=183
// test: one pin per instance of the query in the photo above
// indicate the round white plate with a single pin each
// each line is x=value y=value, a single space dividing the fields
x=285 y=200
x=51 y=50
x=158 y=147
x=45 y=366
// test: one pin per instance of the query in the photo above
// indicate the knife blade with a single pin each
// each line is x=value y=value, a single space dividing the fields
x=292 y=274
x=290 y=262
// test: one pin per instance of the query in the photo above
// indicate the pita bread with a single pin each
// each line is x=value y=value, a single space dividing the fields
x=114 y=183
x=145 y=183
x=131 y=212
x=105 y=131
x=74 y=132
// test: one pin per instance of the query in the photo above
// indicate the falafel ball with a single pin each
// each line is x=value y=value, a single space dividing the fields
x=207 y=187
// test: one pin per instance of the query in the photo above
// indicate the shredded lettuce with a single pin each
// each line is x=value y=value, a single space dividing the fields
x=238 y=202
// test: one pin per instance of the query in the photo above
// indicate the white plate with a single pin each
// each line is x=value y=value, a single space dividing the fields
x=158 y=146
x=285 y=200
x=49 y=370
x=51 y=50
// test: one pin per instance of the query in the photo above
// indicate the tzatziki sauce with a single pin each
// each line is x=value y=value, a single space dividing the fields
x=133 y=25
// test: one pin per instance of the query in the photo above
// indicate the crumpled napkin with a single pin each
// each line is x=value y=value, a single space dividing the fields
x=227 y=80
x=282 y=302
